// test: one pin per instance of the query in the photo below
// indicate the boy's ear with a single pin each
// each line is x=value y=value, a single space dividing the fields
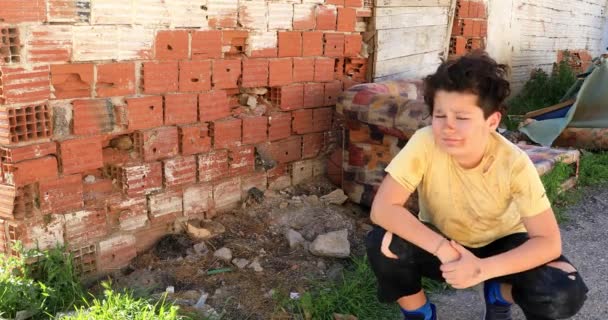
x=494 y=120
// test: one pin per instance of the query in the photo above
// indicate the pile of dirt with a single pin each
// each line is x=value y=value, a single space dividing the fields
x=263 y=249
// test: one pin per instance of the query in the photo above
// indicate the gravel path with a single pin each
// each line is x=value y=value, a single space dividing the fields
x=585 y=242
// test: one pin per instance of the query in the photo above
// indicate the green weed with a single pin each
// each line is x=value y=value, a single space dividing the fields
x=543 y=90
x=123 y=306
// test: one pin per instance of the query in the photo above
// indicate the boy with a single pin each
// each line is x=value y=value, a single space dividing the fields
x=484 y=216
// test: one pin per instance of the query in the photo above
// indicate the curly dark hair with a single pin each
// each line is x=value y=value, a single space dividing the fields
x=475 y=73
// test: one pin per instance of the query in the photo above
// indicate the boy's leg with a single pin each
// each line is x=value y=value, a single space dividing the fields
x=551 y=291
x=399 y=267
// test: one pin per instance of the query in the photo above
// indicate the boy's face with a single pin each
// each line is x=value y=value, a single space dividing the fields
x=459 y=126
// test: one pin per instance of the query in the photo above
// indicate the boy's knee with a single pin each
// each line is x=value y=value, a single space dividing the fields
x=561 y=297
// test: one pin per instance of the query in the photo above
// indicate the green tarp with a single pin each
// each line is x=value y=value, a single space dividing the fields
x=590 y=109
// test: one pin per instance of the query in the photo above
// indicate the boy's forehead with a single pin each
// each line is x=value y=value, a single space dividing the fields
x=456 y=101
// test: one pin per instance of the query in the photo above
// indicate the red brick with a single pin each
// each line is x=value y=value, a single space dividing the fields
x=347 y=19
x=334 y=45
x=18 y=85
x=78 y=155
x=255 y=73
x=314 y=95
x=335 y=2
x=242 y=160
x=280 y=72
x=457 y=27
x=212 y=165
x=198 y=199
x=356 y=68
x=61 y=195
x=22 y=11
x=226 y=133
x=352 y=45
x=128 y=214
x=194 y=139
x=115 y=79
x=29 y=171
x=290 y=44
x=334 y=167
x=332 y=92
x=116 y=252
x=279 y=126
x=255 y=129
x=27 y=123
x=339 y=69
x=477 y=28
x=160 y=77
x=302 y=121
x=206 y=44
x=194 y=75
x=171 y=45
x=311 y=145
x=326 y=18
x=85 y=226
x=33 y=151
x=288 y=97
x=213 y=105
x=464 y=8
x=283 y=151
x=322 y=119
x=303 y=69
x=138 y=179
x=234 y=41
x=157 y=143
x=256 y=179
x=461 y=44
x=72 y=80
x=312 y=43
x=97 y=190
x=226 y=73
x=483 y=28
x=227 y=193
x=18 y=203
x=353 y=3
x=92 y=116
x=181 y=108
x=279 y=177
x=364 y=13
x=179 y=171
x=476 y=44
x=143 y=113
x=468 y=27
x=324 y=69
x=165 y=207
x=302 y=21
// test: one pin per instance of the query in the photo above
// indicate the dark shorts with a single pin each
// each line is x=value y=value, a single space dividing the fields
x=546 y=291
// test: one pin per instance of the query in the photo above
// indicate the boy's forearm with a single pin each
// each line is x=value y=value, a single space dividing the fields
x=533 y=253
x=401 y=222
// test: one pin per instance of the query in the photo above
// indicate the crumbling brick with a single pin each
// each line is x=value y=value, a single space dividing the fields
x=20 y=85
x=194 y=139
x=142 y=113
x=30 y=171
x=212 y=165
x=137 y=179
x=226 y=133
x=242 y=160
x=157 y=143
x=21 y=124
x=92 y=116
x=78 y=155
x=72 y=80
x=288 y=97
x=179 y=171
x=61 y=195
x=115 y=79
x=198 y=199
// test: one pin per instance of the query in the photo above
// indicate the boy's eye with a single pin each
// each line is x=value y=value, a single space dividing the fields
x=439 y=116
x=461 y=118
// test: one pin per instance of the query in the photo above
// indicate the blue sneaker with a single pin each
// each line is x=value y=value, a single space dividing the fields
x=421 y=317
x=495 y=311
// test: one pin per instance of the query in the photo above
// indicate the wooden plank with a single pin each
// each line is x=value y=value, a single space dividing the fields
x=395 y=18
x=395 y=43
x=412 y=3
x=409 y=65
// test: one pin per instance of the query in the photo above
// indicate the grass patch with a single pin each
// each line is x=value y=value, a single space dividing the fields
x=543 y=90
x=122 y=305
x=593 y=169
x=355 y=294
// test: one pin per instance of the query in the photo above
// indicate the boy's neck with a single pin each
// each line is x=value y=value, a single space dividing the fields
x=472 y=160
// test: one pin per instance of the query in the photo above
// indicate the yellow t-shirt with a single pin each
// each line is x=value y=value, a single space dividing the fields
x=472 y=206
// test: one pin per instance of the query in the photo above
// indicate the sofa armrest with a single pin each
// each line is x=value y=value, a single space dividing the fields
x=396 y=106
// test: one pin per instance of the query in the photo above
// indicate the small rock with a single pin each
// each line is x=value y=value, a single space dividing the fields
x=335 y=197
x=332 y=244
x=240 y=263
x=170 y=290
x=313 y=200
x=122 y=143
x=89 y=179
x=283 y=205
x=335 y=273
x=255 y=195
x=209 y=313
x=295 y=238
x=200 y=248
x=338 y=316
x=256 y=266
x=201 y=301
x=190 y=295
x=321 y=265
x=204 y=229
x=224 y=254
x=257 y=91
x=252 y=101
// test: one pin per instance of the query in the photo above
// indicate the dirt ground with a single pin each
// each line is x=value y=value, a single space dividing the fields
x=255 y=231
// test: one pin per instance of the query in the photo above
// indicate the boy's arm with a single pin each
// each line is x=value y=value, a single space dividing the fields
x=389 y=213
x=543 y=246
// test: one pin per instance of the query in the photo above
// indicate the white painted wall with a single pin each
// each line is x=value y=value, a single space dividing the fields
x=527 y=34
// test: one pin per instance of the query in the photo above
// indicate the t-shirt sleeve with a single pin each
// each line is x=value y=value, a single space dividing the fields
x=410 y=164
x=527 y=189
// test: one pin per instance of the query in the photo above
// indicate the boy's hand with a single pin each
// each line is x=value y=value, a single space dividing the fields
x=464 y=272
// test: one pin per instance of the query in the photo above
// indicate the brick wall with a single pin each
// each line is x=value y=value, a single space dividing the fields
x=470 y=27
x=119 y=118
